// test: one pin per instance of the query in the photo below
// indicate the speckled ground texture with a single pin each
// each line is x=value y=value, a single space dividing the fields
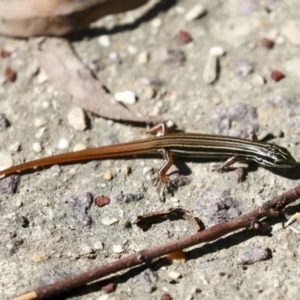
x=56 y=243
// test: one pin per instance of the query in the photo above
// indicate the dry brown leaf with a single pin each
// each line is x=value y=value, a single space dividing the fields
x=27 y=18
x=67 y=72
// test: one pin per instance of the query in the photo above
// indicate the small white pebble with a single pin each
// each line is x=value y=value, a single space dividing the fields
x=79 y=147
x=196 y=12
x=104 y=41
x=210 y=69
x=148 y=93
x=156 y=23
x=155 y=111
x=15 y=147
x=6 y=161
x=11 y=216
x=72 y=171
x=258 y=80
x=40 y=258
x=290 y=254
x=126 y=170
x=216 y=100
x=45 y=202
x=85 y=249
x=56 y=170
x=98 y=246
x=108 y=175
x=77 y=119
x=132 y=49
x=37 y=147
x=146 y=170
x=143 y=58
x=109 y=221
x=174 y=199
x=114 y=57
x=279 y=40
x=40 y=122
x=45 y=104
x=103 y=297
x=217 y=51
x=58 y=238
x=18 y=203
x=42 y=77
x=63 y=144
x=127 y=97
x=117 y=249
x=40 y=133
x=170 y=124
x=174 y=275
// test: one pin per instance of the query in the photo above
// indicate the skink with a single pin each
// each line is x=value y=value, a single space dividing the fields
x=189 y=145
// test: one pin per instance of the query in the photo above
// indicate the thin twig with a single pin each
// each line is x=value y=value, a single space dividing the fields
x=146 y=221
x=248 y=220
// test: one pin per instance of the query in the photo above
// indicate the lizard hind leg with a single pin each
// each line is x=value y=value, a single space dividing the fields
x=163 y=181
x=230 y=161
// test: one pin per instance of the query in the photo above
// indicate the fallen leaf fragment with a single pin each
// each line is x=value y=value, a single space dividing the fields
x=146 y=221
x=176 y=257
x=68 y=73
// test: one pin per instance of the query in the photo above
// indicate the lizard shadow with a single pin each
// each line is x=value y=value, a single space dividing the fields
x=292 y=173
x=289 y=173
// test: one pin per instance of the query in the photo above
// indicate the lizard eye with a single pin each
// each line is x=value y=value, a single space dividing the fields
x=276 y=158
